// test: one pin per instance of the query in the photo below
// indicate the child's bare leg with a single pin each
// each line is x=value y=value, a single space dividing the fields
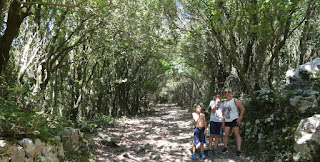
x=193 y=148
x=210 y=142
x=201 y=147
x=216 y=142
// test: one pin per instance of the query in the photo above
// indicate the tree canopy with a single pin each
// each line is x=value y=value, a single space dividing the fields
x=82 y=59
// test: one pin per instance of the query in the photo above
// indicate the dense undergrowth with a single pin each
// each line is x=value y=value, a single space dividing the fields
x=269 y=126
x=21 y=118
x=268 y=129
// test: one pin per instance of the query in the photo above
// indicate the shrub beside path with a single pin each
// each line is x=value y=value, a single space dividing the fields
x=165 y=135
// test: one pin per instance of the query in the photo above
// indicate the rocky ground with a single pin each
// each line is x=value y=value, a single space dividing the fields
x=165 y=135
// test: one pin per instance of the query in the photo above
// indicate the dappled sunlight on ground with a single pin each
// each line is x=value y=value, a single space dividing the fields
x=165 y=135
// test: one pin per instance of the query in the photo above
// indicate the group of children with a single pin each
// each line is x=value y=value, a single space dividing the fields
x=223 y=117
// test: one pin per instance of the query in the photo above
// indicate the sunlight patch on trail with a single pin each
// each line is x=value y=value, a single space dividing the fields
x=165 y=135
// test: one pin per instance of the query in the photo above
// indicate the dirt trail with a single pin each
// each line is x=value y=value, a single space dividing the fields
x=165 y=135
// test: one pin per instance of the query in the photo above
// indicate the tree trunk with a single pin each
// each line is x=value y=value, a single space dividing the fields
x=274 y=60
x=303 y=46
x=232 y=56
x=14 y=20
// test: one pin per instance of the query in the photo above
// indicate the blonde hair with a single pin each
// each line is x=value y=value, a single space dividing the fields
x=229 y=89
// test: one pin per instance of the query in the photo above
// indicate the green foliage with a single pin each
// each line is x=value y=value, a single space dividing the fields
x=316 y=82
x=111 y=58
x=150 y=86
x=104 y=120
x=18 y=120
x=83 y=154
x=165 y=66
x=271 y=124
x=315 y=149
x=311 y=153
x=99 y=121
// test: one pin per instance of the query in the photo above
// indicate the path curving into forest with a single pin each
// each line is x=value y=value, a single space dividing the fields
x=165 y=135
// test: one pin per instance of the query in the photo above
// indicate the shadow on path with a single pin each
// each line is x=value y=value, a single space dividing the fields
x=165 y=135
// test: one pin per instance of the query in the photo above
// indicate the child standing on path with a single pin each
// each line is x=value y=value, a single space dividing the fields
x=215 y=123
x=199 y=131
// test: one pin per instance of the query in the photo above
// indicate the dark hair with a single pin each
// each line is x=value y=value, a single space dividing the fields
x=217 y=93
x=195 y=105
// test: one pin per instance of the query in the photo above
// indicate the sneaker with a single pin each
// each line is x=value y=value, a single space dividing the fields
x=224 y=151
x=239 y=154
x=194 y=156
x=202 y=156
x=215 y=152
x=210 y=153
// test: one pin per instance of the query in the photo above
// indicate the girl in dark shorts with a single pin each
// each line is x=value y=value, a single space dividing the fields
x=233 y=112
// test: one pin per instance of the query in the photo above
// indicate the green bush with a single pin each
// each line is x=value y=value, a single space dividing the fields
x=315 y=156
x=19 y=120
x=269 y=127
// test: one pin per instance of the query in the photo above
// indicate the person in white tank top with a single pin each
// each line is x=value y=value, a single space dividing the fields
x=233 y=112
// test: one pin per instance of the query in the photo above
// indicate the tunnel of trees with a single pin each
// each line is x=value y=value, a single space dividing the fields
x=79 y=60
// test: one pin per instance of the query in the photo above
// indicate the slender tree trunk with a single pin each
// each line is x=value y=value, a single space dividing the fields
x=232 y=55
x=253 y=37
x=303 y=46
x=274 y=61
x=14 y=20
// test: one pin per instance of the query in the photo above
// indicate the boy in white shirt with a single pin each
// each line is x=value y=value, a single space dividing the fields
x=216 y=119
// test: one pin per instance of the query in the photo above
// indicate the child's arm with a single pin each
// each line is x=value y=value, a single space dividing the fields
x=214 y=108
x=192 y=116
x=242 y=110
x=205 y=124
x=195 y=118
x=223 y=122
x=211 y=106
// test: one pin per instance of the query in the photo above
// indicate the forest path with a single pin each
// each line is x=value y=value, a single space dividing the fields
x=165 y=135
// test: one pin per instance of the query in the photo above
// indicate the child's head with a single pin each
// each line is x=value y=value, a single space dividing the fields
x=217 y=95
x=197 y=108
